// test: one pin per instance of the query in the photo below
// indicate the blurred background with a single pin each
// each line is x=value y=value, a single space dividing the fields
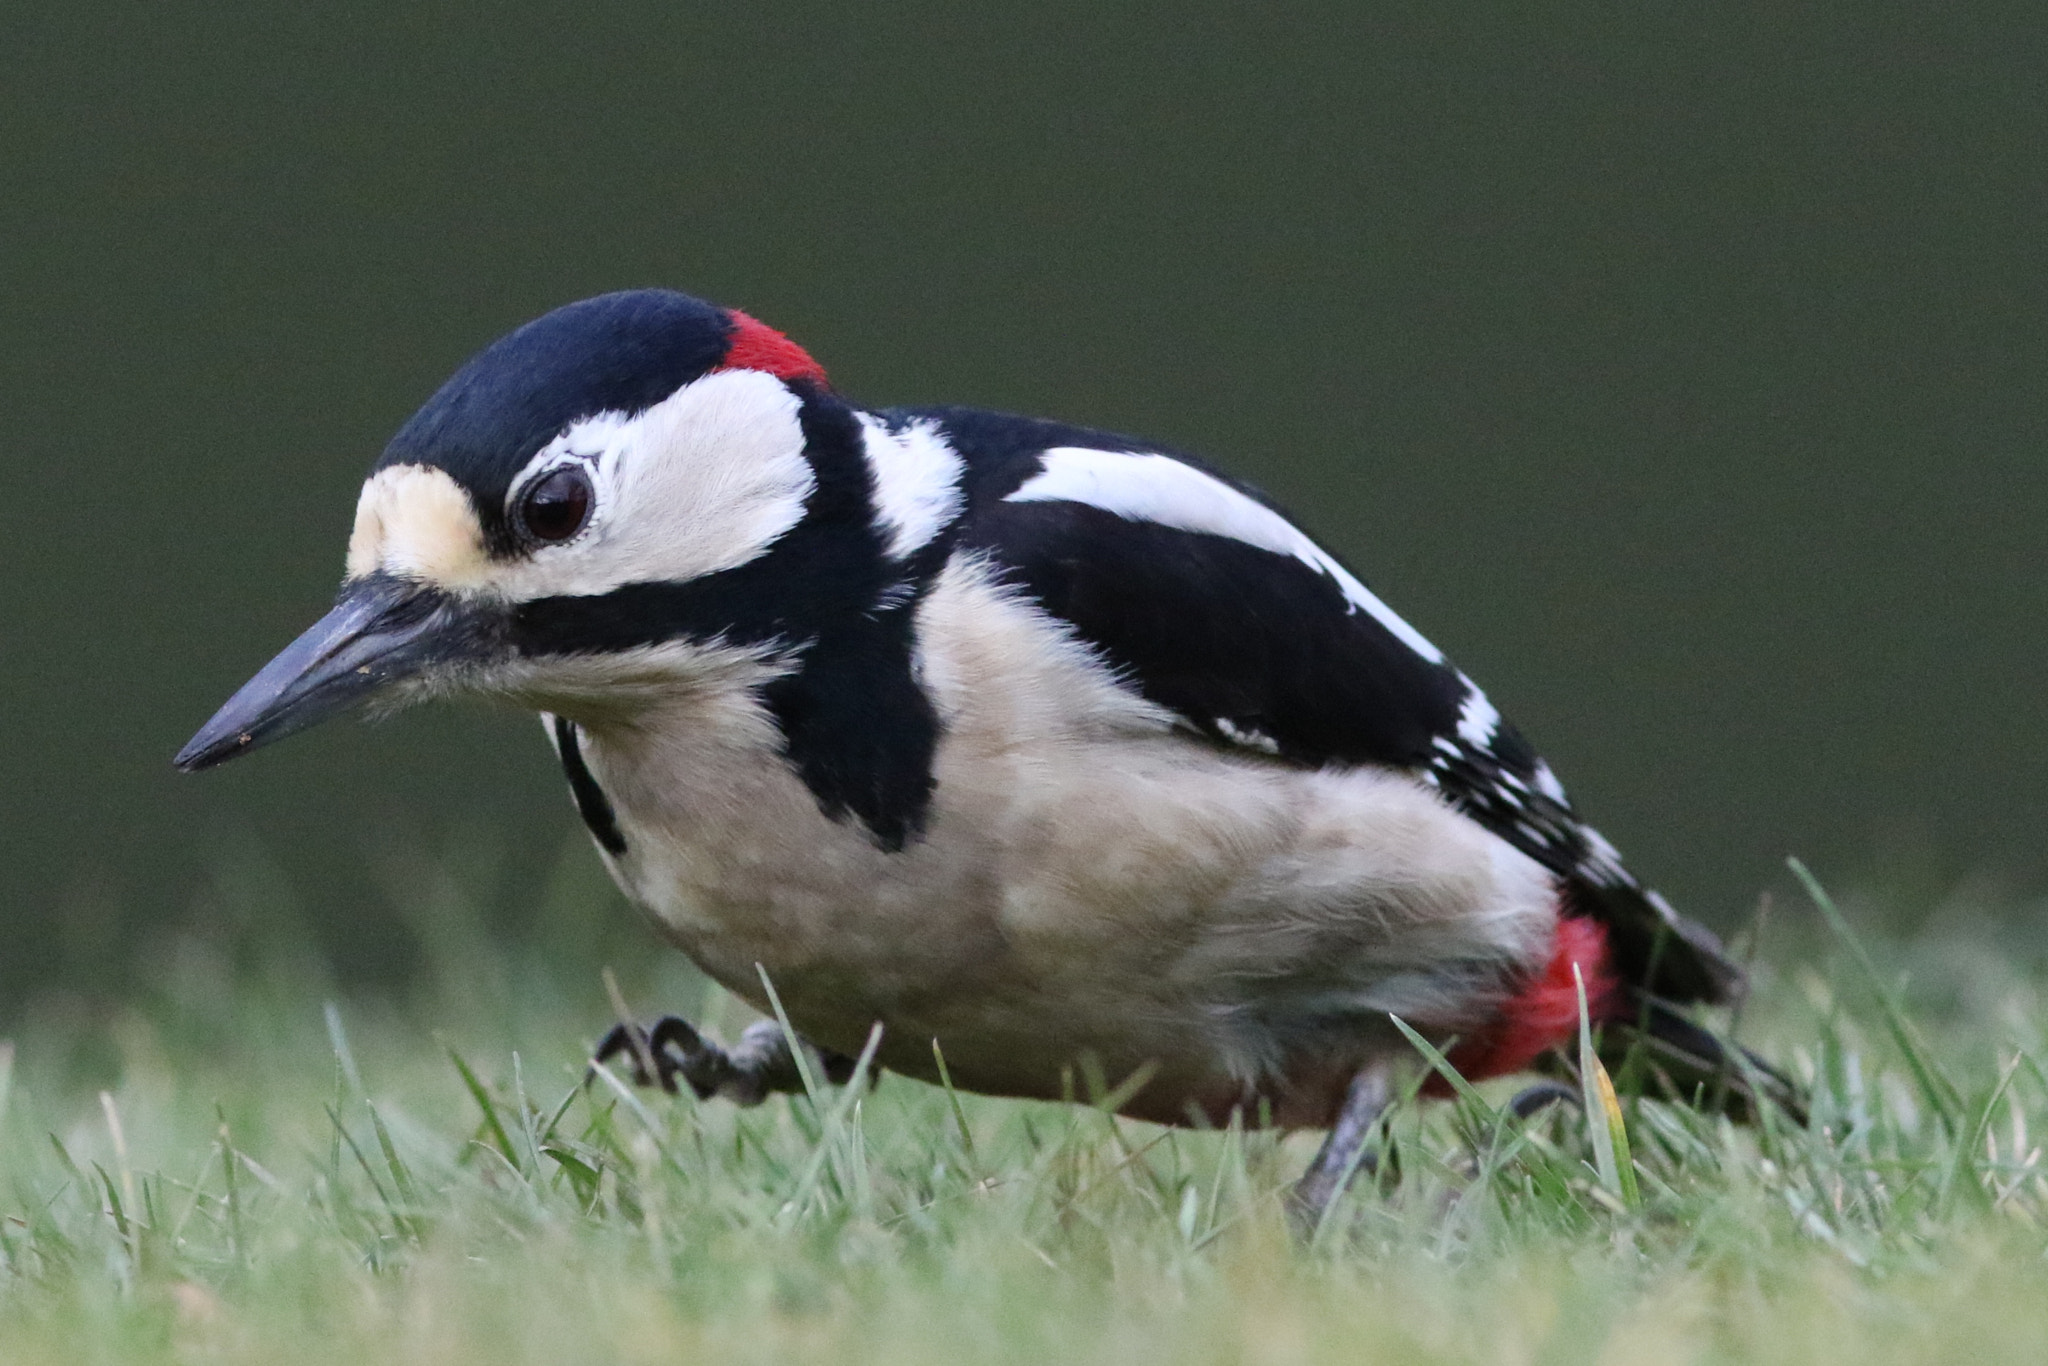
x=1681 y=370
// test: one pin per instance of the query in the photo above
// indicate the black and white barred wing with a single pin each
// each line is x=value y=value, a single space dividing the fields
x=1215 y=605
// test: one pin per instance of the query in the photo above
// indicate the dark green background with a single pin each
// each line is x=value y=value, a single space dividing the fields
x=1680 y=369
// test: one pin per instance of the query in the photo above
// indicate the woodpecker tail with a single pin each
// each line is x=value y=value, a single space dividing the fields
x=1656 y=960
x=1645 y=1042
x=1650 y=1046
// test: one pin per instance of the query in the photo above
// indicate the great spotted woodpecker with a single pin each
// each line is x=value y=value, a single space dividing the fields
x=1039 y=742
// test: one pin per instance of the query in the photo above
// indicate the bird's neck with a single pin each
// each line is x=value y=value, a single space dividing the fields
x=676 y=684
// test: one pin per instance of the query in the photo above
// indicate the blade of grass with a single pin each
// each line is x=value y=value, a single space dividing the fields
x=1604 y=1121
x=398 y=1225
x=959 y=1112
x=832 y=1130
x=130 y=1244
x=1440 y=1064
x=631 y=1102
x=401 y=1175
x=523 y=1107
x=120 y=1140
x=799 y=1051
x=237 y=1241
x=547 y=1131
x=1966 y=1151
x=337 y=1038
x=1940 y=1093
x=493 y=1126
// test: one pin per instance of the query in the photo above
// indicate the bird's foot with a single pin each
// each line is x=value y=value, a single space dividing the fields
x=747 y=1073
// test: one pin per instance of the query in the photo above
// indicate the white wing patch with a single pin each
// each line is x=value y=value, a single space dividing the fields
x=1161 y=490
x=917 y=482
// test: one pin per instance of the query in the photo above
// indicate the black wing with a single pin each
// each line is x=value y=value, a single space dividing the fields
x=1255 y=647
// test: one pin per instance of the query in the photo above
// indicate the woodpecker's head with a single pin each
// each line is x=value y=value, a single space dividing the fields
x=598 y=503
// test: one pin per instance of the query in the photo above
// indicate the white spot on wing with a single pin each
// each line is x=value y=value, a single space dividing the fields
x=1478 y=719
x=1163 y=491
x=1250 y=739
x=1547 y=783
x=917 y=482
x=893 y=597
x=1603 y=861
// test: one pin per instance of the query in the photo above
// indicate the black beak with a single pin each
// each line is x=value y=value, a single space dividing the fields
x=382 y=630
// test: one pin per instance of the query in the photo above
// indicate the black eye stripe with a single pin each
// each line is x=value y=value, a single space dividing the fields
x=557 y=505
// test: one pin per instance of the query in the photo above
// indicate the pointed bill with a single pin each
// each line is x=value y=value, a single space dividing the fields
x=382 y=630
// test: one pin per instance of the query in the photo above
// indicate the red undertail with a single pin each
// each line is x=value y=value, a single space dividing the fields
x=1544 y=1012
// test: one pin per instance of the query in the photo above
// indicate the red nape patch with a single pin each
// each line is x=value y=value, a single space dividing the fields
x=1544 y=1013
x=757 y=346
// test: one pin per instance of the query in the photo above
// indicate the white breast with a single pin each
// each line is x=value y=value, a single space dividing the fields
x=1092 y=879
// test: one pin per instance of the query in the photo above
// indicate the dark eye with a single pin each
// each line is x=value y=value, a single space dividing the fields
x=557 y=505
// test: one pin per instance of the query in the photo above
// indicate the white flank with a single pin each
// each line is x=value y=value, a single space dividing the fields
x=917 y=482
x=1163 y=491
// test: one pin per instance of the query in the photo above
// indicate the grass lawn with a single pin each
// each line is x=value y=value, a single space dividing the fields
x=239 y=1162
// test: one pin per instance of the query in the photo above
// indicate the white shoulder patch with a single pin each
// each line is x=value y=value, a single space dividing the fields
x=1159 y=489
x=917 y=482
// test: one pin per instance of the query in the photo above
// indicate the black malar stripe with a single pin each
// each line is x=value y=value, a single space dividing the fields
x=591 y=803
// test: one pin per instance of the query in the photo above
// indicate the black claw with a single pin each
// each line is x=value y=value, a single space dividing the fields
x=1535 y=1099
x=630 y=1040
x=752 y=1069
x=679 y=1050
x=674 y=1030
x=675 y=1049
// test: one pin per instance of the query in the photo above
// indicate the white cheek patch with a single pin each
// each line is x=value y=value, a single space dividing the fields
x=1163 y=491
x=417 y=523
x=916 y=477
x=705 y=480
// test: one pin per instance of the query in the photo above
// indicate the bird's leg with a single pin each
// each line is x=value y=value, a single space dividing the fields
x=1343 y=1153
x=753 y=1069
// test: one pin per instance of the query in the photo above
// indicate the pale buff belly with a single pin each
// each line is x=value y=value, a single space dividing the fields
x=1235 y=927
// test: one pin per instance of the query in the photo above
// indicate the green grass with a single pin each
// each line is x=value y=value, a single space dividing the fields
x=241 y=1163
